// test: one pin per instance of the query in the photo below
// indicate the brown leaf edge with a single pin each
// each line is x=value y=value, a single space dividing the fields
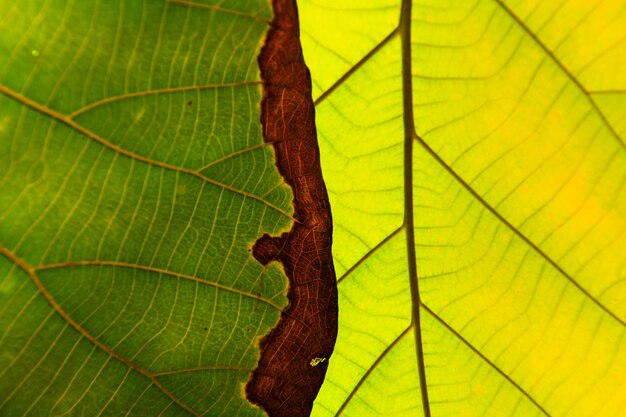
x=295 y=354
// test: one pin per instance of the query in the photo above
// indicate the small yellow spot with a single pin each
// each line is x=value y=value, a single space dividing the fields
x=317 y=361
x=181 y=189
x=4 y=124
x=139 y=114
x=35 y=52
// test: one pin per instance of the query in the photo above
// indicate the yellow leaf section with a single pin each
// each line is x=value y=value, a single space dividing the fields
x=527 y=140
x=351 y=28
x=586 y=36
x=518 y=312
x=519 y=207
x=364 y=179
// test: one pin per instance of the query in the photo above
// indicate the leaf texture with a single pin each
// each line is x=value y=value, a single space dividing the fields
x=475 y=160
x=134 y=182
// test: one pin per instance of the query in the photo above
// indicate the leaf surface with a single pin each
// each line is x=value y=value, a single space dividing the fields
x=134 y=181
x=475 y=160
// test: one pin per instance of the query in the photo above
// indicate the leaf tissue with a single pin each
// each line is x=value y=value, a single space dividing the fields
x=162 y=208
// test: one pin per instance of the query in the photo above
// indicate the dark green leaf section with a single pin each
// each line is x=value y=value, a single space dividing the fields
x=59 y=371
x=134 y=181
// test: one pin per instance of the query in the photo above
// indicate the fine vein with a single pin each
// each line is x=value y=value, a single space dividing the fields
x=158 y=271
x=91 y=135
x=154 y=92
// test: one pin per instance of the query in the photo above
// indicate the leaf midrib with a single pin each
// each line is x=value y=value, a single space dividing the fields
x=409 y=131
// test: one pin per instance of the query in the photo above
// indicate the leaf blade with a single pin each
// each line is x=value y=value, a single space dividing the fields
x=481 y=266
x=128 y=283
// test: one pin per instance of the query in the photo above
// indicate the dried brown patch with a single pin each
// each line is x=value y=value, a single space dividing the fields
x=294 y=355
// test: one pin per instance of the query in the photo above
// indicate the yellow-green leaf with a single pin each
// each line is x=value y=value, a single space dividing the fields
x=474 y=155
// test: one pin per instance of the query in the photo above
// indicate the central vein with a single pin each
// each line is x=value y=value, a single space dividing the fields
x=407 y=99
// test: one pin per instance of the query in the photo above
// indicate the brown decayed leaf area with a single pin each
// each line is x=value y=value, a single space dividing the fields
x=294 y=355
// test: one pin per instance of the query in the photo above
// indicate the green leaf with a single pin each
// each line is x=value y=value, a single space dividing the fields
x=134 y=180
x=479 y=204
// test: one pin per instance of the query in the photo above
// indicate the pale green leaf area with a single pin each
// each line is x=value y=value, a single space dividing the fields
x=507 y=169
x=134 y=180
